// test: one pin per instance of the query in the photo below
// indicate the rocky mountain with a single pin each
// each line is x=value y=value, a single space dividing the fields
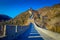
x=23 y=18
x=20 y=19
x=50 y=18
x=47 y=17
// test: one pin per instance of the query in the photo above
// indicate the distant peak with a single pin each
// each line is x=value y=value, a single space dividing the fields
x=30 y=9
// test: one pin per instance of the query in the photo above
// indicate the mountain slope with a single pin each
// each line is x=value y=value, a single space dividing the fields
x=47 y=17
x=4 y=17
x=20 y=19
x=50 y=18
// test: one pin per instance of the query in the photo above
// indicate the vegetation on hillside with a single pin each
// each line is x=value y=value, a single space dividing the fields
x=50 y=18
x=47 y=17
x=20 y=19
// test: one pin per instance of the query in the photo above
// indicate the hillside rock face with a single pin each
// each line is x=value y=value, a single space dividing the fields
x=50 y=18
x=20 y=19
x=47 y=17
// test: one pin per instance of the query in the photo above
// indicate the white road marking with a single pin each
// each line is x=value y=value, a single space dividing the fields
x=34 y=33
x=34 y=36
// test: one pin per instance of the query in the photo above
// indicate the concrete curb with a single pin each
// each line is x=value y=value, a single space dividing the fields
x=53 y=35
x=2 y=36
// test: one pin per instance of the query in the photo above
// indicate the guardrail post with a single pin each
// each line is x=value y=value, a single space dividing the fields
x=4 y=30
x=16 y=28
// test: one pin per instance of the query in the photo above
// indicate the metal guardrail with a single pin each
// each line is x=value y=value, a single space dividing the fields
x=13 y=31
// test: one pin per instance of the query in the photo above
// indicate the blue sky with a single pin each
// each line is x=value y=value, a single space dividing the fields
x=14 y=7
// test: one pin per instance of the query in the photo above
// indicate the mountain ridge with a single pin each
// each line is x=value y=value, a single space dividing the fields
x=47 y=17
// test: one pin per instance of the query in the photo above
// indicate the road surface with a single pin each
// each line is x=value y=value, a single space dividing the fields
x=30 y=34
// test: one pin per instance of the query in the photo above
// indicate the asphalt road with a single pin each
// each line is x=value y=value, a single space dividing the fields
x=30 y=34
